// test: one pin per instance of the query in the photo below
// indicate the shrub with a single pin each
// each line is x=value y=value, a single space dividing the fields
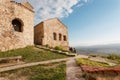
x=47 y=45
x=113 y=56
x=59 y=48
x=62 y=49
x=92 y=55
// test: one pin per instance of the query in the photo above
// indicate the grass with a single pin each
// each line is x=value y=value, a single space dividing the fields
x=54 y=71
x=32 y=54
x=84 y=61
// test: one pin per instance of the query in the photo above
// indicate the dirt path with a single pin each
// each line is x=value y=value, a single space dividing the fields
x=73 y=71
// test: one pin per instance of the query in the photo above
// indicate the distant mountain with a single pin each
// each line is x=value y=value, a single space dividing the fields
x=99 y=49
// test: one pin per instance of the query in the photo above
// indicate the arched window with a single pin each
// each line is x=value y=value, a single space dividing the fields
x=54 y=36
x=17 y=25
x=64 y=38
x=60 y=37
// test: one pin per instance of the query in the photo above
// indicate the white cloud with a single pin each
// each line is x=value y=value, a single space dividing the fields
x=45 y=9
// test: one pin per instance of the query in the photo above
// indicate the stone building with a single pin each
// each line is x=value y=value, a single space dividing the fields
x=51 y=32
x=16 y=25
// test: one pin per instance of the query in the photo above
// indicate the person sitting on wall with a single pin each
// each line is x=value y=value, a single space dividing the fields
x=74 y=50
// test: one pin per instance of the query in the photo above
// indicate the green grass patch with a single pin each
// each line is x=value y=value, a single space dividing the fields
x=55 y=71
x=32 y=54
x=84 y=61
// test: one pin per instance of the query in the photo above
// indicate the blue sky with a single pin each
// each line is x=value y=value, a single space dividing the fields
x=96 y=22
x=90 y=22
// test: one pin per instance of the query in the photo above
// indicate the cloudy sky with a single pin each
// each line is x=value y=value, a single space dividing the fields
x=46 y=9
x=89 y=22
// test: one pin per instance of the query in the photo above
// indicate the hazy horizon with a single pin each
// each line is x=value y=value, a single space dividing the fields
x=96 y=45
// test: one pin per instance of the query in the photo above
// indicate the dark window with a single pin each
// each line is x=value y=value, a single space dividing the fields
x=60 y=37
x=54 y=36
x=17 y=25
x=64 y=38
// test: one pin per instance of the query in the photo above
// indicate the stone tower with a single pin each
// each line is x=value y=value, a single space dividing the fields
x=16 y=25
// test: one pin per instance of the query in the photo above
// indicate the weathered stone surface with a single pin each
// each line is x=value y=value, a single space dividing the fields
x=9 y=38
x=43 y=33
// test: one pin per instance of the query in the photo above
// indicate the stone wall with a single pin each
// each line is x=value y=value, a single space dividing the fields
x=9 y=38
x=38 y=34
x=103 y=76
x=54 y=26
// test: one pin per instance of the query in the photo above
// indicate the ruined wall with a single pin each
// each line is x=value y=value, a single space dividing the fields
x=9 y=38
x=55 y=26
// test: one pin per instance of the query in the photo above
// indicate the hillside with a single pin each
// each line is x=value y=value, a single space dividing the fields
x=99 y=49
x=32 y=54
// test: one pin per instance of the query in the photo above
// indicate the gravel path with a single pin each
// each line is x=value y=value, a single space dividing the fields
x=73 y=71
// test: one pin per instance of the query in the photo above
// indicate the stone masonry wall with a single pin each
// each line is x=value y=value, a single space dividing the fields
x=38 y=34
x=55 y=26
x=9 y=38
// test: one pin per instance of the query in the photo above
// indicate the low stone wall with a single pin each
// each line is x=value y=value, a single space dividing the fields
x=100 y=73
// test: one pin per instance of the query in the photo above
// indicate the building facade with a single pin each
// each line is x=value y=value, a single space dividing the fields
x=51 y=32
x=16 y=25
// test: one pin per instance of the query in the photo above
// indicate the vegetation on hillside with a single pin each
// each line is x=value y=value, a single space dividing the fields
x=32 y=54
x=85 y=61
x=54 y=71
x=93 y=55
x=114 y=57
